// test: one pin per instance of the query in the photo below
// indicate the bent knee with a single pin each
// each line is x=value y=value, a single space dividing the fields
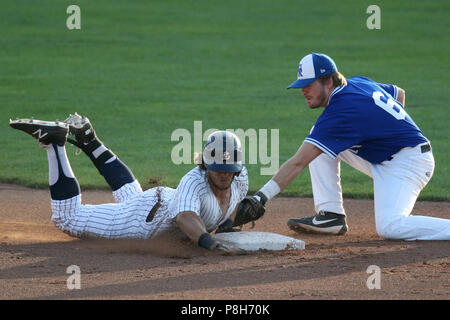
x=390 y=230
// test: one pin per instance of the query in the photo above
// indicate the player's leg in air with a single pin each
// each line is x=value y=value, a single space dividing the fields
x=115 y=220
x=52 y=136
x=116 y=173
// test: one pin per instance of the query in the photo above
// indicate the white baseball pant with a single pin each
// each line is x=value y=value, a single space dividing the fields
x=397 y=184
x=125 y=218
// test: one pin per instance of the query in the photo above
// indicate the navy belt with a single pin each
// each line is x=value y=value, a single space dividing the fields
x=423 y=149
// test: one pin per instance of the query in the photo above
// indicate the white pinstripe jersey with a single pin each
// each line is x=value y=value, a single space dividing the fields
x=128 y=217
x=194 y=194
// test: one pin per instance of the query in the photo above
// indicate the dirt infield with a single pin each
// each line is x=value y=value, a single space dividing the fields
x=35 y=255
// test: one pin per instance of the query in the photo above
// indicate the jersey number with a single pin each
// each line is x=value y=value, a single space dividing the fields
x=389 y=105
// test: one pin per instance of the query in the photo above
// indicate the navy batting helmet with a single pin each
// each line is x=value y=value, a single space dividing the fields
x=223 y=152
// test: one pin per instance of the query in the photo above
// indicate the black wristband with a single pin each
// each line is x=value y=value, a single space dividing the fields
x=262 y=196
x=205 y=241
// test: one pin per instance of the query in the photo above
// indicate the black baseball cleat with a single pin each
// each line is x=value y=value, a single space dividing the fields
x=324 y=222
x=81 y=129
x=45 y=132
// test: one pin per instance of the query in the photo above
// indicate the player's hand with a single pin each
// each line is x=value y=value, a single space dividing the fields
x=251 y=208
x=208 y=242
x=227 y=226
x=227 y=249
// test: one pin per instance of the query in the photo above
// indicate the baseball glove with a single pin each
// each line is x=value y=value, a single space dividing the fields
x=250 y=209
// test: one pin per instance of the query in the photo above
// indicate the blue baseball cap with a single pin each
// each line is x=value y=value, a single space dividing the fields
x=311 y=67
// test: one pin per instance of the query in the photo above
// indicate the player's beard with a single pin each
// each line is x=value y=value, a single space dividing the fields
x=321 y=100
x=219 y=183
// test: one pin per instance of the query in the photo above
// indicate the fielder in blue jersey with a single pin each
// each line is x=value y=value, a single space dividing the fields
x=364 y=123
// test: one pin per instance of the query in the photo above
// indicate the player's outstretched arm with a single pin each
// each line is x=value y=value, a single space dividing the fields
x=191 y=224
x=288 y=171
x=295 y=165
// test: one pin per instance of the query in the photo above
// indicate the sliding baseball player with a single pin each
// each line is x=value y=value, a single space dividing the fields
x=207 y=197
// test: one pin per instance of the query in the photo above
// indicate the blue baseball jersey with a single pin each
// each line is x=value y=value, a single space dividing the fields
x=365 y=116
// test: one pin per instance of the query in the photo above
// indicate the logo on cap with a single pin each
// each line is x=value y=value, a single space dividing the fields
x=300 y=71
x=311 y=67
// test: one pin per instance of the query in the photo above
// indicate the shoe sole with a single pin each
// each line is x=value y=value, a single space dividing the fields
x=35 y=129
x=335 y=230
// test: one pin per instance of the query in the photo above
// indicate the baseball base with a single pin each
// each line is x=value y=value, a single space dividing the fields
x=253 y=241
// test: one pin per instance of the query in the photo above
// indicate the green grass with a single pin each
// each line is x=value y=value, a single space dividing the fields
x=141 y=69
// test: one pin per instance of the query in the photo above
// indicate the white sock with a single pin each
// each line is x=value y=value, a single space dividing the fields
x=53 y=163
